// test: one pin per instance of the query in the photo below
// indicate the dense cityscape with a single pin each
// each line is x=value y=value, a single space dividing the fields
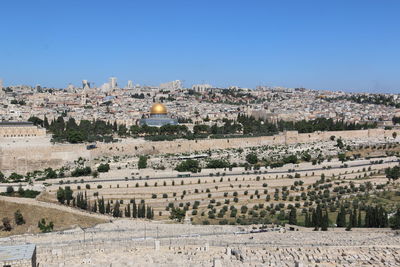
x=199 y=133
x=268 y=159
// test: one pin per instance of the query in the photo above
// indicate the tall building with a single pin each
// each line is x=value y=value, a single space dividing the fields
x=113 y=83
x=129 y=85
x=70 y=88
x=85 y=84
x=2 y=93
x=105 y=87
x=200 y=88
x=174 y=85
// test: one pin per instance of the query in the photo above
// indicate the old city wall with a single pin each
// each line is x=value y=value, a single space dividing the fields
x=29 y=158
x=24 y=159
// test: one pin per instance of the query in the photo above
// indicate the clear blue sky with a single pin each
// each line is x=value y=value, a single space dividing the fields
x=351 y=45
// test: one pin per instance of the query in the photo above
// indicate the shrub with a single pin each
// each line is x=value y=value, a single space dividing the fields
x=10 y=189
x=19 y=219
x=103 y=167
x=81 y=172
x=6 y=224
x=45 y=228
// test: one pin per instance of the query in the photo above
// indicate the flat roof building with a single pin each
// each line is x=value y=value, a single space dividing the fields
x=19 y=255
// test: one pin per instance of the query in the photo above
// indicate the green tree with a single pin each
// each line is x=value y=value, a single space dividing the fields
x=116 y=210
x=218 y=163
x=50 y=173
x=103 y=167
x=6 y=224
x=134 y=209
x=128 y=211
x=108 y=207
x=19 y=219
x=341 y=217
x=395 y=220
x=142 y=162
x=293 y=216
x=61 y=195
x=68 y=194
x=342 y=157
x=325 y=221
x=177 y=214
x=393 y=173
x=45 y=228
x=102 y=208
x=339 y=143
x=307 y=222
x=188 y=165
x=9 y=190
x=252 y=158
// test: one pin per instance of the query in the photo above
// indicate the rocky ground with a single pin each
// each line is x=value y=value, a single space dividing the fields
x=142 y=243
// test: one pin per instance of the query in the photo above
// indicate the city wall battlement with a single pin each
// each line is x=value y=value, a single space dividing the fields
x=25 y=158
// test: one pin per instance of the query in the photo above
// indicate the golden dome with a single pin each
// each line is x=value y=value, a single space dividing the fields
x=158 y=108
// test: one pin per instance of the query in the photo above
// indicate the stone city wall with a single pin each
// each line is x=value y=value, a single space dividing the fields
x=21 y=131
x=22 y=159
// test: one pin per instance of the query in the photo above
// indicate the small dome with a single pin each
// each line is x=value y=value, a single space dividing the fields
x=158 y=108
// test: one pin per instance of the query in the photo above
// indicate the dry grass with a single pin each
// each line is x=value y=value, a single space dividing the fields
x=32 y=214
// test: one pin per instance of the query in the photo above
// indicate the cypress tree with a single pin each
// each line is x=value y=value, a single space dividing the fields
x=395 y=221
x=314 y=222
x=307 y=220
x=292 y=216
x=94 y=209
x=142 y=210
x=85 y=202
x=325 y=221
x=102 y=209
x=353 y=218
x=134 y=210
x=148 y=213
x=359 y=224
x=116 y=210
x=128 y=211
x=319 y=216
x=108 y=207
x=350 y=224
x=367 y=216
x=341 y=217
x=348 y=227
x=385 y=219
x=139 y=211
x=46 y=122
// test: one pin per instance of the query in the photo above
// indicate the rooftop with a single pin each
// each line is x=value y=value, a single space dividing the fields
x=19 y=252
x=15 y=123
